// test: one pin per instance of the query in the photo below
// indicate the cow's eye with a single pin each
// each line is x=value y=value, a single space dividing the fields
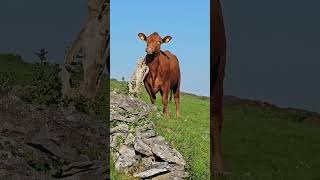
x=159 y=42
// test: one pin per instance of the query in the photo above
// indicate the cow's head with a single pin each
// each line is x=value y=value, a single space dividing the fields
x=154 y=42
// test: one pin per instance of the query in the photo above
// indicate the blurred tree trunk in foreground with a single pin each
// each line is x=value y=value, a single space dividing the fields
x=90 y=50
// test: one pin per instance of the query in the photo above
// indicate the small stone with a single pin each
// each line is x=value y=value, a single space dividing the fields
x=148 y=134
x=175 y=175
x=142 y=147
x=147 y=161
x=115 y=156
x=130 y=139
x=157 y=139
x=126 y=158
x=175 y=167
x=119 y=117
x=153 y=170
x=162 y=149
x=125 y=150
x=149 y=126
x=122 y=128
x=114 y=138
x=124 y=162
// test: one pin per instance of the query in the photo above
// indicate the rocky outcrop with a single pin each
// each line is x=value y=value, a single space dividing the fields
x=135 y=147
x=40 y=142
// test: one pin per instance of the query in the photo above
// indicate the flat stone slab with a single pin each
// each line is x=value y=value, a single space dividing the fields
x=162 y=149
x=153 y=170
x=142 y=147
x=122 y=128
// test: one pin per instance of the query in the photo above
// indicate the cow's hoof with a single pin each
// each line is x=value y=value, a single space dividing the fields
x=167 y=115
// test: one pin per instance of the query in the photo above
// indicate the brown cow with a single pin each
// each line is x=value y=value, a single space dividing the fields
x=218 y=61
x=164 y=71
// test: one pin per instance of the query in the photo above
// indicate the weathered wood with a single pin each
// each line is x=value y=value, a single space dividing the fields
x=93 y=43
x=137 y=77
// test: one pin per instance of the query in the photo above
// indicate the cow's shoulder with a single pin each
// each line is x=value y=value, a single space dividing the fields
x=169 y=55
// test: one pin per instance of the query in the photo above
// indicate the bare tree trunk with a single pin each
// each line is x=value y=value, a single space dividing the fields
x=93 y=42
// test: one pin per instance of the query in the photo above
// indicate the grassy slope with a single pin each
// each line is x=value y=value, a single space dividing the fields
x=259 y=142
x=265 y=142
x=190 y=134
x=19 y=71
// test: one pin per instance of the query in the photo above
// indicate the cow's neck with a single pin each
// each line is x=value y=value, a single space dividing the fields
x=153 y=64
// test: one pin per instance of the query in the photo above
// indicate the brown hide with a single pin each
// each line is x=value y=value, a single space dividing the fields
x=164 y=72
x=218 y=61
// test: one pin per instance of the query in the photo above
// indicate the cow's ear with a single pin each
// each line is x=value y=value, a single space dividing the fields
x=166 y=39
x=142 y=36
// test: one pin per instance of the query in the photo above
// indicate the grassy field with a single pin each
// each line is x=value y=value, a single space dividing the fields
x=260 y=141
x=190 y=134
x=265 y=142
x=14 y=71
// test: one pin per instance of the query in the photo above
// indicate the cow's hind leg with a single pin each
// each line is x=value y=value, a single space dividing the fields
x=165 y=100
x=176 y=92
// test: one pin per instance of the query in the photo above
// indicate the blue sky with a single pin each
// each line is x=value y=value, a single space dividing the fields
x=27 y=26
x=187 y=22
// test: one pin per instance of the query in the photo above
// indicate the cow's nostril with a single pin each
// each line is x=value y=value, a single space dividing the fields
x=149 y=50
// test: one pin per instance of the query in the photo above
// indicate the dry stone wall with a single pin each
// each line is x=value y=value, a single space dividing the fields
x=136 y=148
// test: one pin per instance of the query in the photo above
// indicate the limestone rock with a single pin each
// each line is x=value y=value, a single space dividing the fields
x=163 y=150
x=122 y=128
x=142 y=147
x=126 y=158
x=115 y=138
x=140 y=151
x=153 y=170
x=37 y=139
x=124 y=162
x=130 y=139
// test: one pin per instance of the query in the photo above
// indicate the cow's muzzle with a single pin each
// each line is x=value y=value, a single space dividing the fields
x=150 y=50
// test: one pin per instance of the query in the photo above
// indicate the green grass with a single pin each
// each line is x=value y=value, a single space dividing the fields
x=12 y=67
x=34 y=83
x=261 y=142
x=115 y=175
x=190 y=134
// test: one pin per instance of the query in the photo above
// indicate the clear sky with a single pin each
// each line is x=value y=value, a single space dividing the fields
x=273 y=46
x=274 y=51
x=28 y=25
x=187 y=22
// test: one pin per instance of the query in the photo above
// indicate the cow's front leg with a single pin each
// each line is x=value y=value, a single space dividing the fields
x=151 y=95
x=165 y=100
